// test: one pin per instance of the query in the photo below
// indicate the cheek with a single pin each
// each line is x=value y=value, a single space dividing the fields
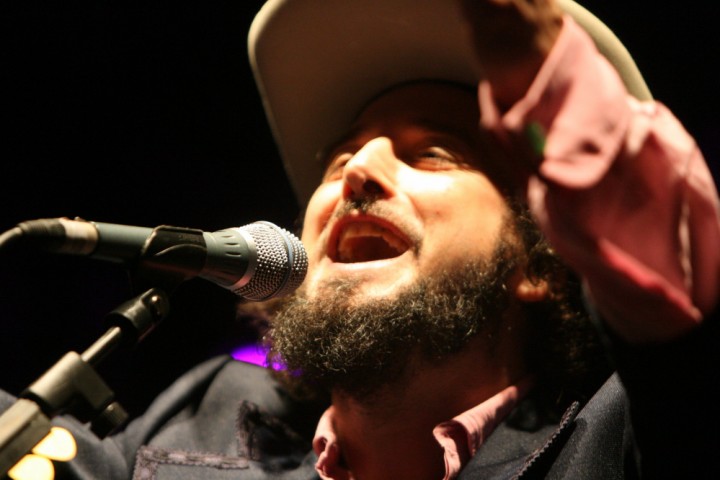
x=430 y=194
x=465 y=210
x=444 y=194
x=420 y=184
x=318 y=212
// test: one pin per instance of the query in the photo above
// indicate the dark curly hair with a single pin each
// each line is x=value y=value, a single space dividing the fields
x=566 y=350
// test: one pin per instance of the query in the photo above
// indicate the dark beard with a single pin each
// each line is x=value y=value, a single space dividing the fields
x=357 y=349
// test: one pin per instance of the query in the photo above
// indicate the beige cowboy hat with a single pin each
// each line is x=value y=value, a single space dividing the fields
x=317 y=62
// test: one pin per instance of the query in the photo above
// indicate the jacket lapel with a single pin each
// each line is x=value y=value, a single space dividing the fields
x=520 y=445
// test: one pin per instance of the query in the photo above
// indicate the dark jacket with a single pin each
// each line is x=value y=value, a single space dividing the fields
x=225 y=419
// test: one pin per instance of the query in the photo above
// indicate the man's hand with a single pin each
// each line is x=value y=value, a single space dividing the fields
x=512 y=38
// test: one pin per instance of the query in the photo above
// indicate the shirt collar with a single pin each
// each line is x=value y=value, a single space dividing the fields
x=459 y=437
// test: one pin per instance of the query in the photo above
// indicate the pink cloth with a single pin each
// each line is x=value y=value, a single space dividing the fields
x=459 y=438
x=622 y=193
x=327 y=449
x=462 y=436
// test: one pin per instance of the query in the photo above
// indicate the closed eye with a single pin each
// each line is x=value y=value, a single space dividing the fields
x=335 y=166
x=436 y=158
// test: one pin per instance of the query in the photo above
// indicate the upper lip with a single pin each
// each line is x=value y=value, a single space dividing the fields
x=363 y=238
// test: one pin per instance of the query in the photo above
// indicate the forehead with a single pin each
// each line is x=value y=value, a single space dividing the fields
x=436 y=106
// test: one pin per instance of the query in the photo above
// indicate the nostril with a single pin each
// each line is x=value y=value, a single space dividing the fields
x=372 y=187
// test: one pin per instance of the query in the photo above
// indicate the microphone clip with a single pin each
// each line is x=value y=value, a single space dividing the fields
x=169 y=257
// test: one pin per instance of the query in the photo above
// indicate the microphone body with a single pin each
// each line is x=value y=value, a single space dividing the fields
x=257 y=261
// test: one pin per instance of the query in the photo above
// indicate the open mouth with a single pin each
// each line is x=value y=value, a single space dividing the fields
x=366 y=242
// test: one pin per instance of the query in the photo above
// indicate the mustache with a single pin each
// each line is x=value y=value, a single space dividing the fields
x=366 y=206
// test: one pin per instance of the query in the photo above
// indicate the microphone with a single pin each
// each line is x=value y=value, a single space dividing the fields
x=257 y=261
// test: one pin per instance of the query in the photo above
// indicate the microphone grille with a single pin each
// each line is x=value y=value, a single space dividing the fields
x=281 y=262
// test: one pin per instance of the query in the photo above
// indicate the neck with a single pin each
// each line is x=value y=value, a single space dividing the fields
x=389 y=435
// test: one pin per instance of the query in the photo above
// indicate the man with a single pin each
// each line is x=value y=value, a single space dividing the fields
x=437 y=335
x=407 y=215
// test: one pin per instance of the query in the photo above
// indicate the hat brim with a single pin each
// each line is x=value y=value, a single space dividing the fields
x=318 y=62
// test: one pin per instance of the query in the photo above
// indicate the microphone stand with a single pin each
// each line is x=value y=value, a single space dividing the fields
x=72 y=386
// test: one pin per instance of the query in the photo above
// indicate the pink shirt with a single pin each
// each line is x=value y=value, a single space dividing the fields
x=624 y=196
x=622 y=191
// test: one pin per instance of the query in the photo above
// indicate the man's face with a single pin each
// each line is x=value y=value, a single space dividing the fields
x=404 y=196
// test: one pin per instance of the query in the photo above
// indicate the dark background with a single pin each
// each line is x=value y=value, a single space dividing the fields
x=144 y=113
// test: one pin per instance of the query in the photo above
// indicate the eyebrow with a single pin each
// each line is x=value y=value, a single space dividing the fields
x=447 y=131
x=322 y=157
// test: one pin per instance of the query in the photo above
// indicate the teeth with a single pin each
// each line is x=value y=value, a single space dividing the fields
x=368 y=241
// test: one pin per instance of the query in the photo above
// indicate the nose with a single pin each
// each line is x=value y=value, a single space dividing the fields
x=371 y=172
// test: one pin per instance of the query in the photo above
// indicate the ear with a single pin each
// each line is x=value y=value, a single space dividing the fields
x=529 y=291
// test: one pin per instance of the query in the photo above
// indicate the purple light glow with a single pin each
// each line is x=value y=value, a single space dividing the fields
x=254 y=353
